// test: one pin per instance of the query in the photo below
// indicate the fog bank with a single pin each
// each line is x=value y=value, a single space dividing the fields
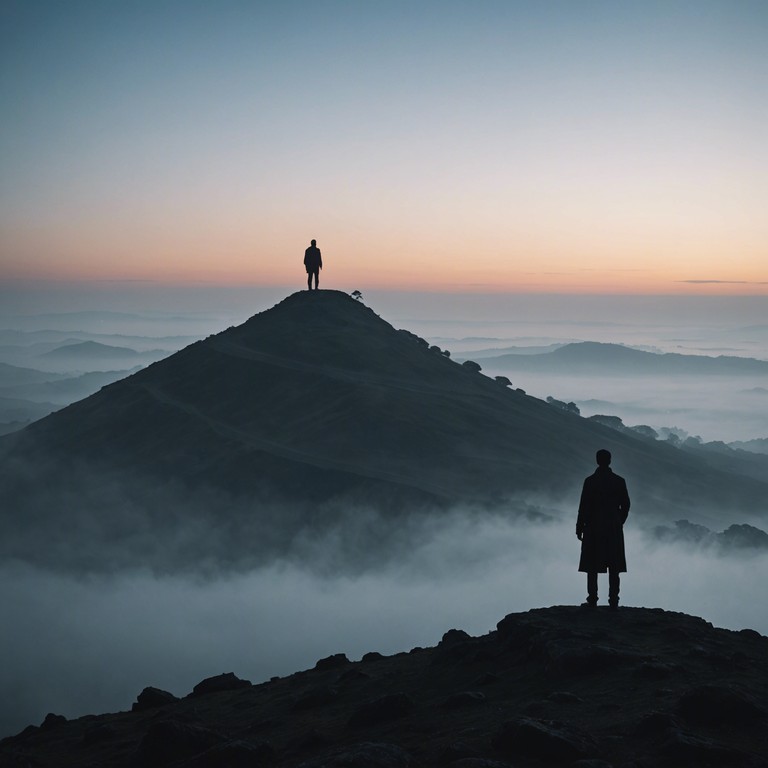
x=88 y=645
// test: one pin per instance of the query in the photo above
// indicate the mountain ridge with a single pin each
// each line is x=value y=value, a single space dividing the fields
x=594 y=356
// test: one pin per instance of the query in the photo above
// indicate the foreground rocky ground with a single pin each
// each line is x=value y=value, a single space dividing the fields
x=561 y=686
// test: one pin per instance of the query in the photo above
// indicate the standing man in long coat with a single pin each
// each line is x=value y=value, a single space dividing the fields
x=603 y=510
x=313 y=261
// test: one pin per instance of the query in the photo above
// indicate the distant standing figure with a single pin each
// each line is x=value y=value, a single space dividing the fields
x=313 y=262
x=603 y=510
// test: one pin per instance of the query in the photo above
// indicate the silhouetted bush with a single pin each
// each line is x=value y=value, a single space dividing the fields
x=503 y=380
x=614 y=422
x=570 y=407
x=645 y=431
x=471 y=365
x=417 y=339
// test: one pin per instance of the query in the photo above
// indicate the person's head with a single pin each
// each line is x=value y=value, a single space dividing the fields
x=603 y=458
x=314 y=242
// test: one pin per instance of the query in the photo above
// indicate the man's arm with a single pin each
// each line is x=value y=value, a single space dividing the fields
x=582 y=516
x=624 y=501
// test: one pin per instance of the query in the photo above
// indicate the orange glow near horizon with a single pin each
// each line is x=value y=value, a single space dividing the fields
x=526 y=264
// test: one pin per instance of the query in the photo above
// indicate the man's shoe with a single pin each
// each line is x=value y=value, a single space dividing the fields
x=589 y=604
x=613 y=605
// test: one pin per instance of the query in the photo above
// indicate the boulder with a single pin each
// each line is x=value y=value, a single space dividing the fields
x=99 y=734
x=170 y=740
x=52 y=721
x=719 y=705
x=459 y=750
x=688 y=749
x=564 y=697
x=577 y=657
x=350 y=675
x=463 y=699
x=235 y=754
x=655 y=670
x=381 y=710
x=334 y=661
x=364 y=755
x=655 y=724
x=227 y=681
x=150 y=698
x=543 y=740
x=454 y=637
x=315 y=697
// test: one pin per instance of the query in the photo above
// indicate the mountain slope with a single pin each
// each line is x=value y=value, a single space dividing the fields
x=320 y=404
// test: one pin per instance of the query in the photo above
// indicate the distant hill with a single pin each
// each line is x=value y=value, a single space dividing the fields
x=14 y=408
x=89 y=349
x=14 y=376
x=96 y=352
x=63 y=389
x=759 y=445
x=294 y=420
x=591 y=357
x=559 y=686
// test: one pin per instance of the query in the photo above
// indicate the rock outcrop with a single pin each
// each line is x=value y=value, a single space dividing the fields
x=560 y=686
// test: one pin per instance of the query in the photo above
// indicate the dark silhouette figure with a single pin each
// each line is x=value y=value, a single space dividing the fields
x=603 y=510
x=313 y=262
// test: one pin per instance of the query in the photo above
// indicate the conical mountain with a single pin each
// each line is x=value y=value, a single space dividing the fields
x=319 y=402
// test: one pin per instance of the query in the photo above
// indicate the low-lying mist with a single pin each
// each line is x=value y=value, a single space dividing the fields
x=87 y=644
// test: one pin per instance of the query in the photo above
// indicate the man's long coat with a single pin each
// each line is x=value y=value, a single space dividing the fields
x=603 y=510
x=313 y=259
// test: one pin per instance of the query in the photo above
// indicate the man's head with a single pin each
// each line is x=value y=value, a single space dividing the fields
x=314 y=242
x=603 y=458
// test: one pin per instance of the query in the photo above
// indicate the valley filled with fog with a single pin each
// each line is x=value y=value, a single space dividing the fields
x=90 y=641
x=89 y=644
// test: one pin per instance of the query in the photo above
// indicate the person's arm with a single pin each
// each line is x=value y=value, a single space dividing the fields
x=319 y=259
x=624 y=502
x=582 y=516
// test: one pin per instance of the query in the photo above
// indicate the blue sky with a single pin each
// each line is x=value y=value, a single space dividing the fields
x=431 y=145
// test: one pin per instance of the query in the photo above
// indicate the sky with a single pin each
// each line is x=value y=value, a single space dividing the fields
x=549 y=147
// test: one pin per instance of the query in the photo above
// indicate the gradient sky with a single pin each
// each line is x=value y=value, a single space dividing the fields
x=465 y=146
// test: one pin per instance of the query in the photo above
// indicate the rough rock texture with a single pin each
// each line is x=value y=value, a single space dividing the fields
x=150 y=698
x=637 y=688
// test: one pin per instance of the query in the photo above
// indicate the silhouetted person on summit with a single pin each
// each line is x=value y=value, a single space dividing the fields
x=603 y=510
x=313 y=262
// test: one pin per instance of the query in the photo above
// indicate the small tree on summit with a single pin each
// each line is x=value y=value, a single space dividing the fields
x=357 y=296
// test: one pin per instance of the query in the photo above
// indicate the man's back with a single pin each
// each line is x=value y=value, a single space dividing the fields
x=312 y=258
x=604 y=496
